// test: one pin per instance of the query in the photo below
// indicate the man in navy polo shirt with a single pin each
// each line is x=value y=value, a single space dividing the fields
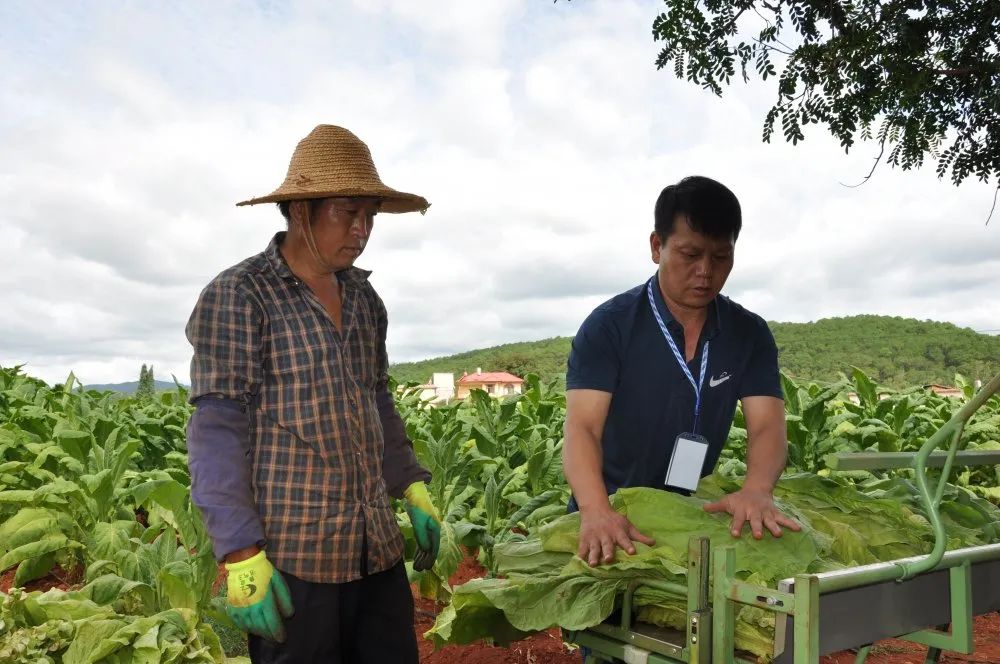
x=655 y=373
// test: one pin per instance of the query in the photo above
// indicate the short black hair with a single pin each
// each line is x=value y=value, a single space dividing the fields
x=284 y=208
x=709 y=207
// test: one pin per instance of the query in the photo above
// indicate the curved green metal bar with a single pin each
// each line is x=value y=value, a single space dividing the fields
x=946 y=471
x=952 y=427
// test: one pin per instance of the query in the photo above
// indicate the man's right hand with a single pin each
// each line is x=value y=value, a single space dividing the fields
x=604 y=530
x=258 y=597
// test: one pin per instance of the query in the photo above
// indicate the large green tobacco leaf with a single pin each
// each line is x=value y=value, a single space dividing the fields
x=546 y=585
x=126 y=596
x=38 y=548
x=433 y=583
x=34 y=568
x=176 y=499
x=851 y=528
x=108 y=539
x=70 y=628
x=176 y=583
x=29 y=525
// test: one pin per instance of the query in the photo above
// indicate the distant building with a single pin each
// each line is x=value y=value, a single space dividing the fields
x=945 y=391
x=439 y=389
x=855 y=399
x=494 y=383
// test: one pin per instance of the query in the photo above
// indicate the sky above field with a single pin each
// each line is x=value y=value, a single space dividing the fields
x=541 y=133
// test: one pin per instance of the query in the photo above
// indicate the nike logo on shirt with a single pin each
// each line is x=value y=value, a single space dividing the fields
x=715 y=382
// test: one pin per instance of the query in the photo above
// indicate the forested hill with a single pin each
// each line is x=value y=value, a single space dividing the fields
x=896 y=351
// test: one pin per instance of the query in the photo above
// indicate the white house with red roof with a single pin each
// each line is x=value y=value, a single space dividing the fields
x=945 y=390
x=494 y=383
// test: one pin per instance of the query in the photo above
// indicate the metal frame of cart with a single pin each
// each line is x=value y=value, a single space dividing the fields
x=818 y=614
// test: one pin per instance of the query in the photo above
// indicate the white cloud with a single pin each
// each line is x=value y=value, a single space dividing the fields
x=540 y=132
x=456 y=29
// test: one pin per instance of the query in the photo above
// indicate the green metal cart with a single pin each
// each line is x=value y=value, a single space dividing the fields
x=914 y=599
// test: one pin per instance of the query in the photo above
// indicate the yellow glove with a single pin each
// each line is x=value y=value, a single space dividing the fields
x=426 y=525
x=258 y=597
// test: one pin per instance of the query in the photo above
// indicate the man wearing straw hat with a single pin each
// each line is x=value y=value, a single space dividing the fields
x=296 y=446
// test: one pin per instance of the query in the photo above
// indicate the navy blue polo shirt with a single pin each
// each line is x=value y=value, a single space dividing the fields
x=620 y=349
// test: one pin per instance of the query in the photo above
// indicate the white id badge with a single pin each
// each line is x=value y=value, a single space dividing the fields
x=686 y=461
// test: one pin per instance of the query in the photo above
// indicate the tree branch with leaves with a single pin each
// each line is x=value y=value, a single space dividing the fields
x=920 y=77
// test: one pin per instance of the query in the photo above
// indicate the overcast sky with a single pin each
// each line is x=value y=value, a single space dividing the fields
x=541 y=133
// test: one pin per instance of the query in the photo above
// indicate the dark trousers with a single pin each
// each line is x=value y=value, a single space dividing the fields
x=368 y=621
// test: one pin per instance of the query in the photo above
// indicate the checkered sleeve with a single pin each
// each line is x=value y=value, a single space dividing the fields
x=400 y=467
x=225 y=330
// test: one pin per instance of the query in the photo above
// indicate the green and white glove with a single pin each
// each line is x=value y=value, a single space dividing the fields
x=426 y=525
x=258 y=597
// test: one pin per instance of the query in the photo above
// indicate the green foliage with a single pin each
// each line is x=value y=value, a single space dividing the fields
x=922 y=79
x=146 y=390
x=100 y=481
x=496 y=464
x=896 y=352
x=60 y=627
x=76 y=468
x=69 y=457
x=806 y=422
x=233 y=640
x=544 y=584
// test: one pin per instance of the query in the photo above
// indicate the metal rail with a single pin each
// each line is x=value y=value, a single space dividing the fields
x=877 y=572
x=952 y=429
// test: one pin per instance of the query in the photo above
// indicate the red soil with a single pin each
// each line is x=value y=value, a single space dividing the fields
x=57 y=578
x=220 y=578
x=986 y=639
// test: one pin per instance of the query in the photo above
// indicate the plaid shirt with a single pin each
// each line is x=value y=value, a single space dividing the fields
x=322 y=423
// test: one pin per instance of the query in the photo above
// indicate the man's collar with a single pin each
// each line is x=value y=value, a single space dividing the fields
x=354 y=276
x=276 y=260
x=713 y=321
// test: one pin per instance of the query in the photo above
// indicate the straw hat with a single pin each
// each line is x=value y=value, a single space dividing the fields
x=332 y=161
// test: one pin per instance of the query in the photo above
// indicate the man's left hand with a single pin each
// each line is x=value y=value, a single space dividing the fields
x=426 y=525
x=757 y=507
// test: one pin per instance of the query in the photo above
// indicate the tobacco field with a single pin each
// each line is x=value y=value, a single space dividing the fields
x=103 y=558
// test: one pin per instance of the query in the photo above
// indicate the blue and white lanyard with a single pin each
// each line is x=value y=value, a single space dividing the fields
x=680 y=358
